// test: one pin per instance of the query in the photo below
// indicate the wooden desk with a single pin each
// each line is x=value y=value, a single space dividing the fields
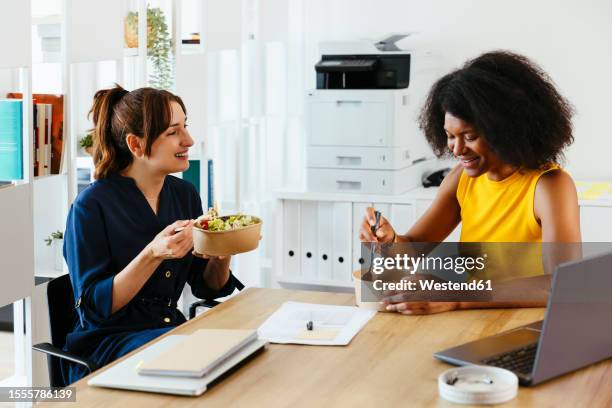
x=388 y=363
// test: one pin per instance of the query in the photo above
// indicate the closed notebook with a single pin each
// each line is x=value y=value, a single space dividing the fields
x=198 y=353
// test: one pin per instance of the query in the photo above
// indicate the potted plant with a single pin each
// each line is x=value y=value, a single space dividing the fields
x=57 y=240
x=86 y=143
x=159 y=45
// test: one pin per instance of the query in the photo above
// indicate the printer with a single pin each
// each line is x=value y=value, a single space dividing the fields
x=361 y=120
x=383 y=66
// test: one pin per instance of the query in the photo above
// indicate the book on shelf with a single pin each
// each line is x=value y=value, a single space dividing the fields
x=51 y=150
x=11 y=140
x=210 y=191
x=42 y=142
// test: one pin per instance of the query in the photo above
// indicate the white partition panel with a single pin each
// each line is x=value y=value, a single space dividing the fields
x=94 y=30
x=222 y=25
x=273 y=20
x=50 y=201
x=191 y=74
x=16 y=252
x=15 y=34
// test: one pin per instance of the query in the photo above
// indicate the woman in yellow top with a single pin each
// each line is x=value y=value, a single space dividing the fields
x=502 y=117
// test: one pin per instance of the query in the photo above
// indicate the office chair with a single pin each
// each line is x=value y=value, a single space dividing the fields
x=211 y=303
x=62 y=319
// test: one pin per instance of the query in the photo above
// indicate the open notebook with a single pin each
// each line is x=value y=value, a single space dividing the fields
x=198 y=353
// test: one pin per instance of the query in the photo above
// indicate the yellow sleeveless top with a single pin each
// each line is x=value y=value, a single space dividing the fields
x=500 y=211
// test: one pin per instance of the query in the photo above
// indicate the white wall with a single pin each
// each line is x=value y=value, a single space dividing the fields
x=571 y=40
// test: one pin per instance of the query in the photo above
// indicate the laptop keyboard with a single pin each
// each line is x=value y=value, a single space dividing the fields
x=520 y=360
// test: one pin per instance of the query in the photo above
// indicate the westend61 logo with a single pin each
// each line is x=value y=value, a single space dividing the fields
x=424 y=263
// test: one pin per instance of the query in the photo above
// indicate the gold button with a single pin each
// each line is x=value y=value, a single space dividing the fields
x=167 y=319
x=168 y=274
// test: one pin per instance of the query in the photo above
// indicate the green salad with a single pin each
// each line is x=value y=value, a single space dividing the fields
x=211 y=221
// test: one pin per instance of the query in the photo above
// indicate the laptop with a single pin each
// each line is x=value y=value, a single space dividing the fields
x=576 y=330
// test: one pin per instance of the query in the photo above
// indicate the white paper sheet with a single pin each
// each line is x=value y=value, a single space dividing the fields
x=288 y=324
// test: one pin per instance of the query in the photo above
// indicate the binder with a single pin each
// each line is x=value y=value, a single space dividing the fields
x=308 y=230
x=325 y=223
x=11 y=143
x=40 y=142
x=343 y=238
x=359 y=210
x=48 y=141
x=291 y=235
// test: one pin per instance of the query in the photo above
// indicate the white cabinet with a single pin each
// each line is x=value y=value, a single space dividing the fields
x=350 y=118
x=358 y=157
x=387 y=182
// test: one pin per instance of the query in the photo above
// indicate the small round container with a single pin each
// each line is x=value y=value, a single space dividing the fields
x=363 y=287
x=477 y=384
x=225 y=243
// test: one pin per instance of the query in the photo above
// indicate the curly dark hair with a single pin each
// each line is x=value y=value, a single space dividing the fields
x=511 y=102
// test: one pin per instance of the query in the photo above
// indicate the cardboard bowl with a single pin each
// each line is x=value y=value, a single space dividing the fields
x=225 y=243
x=362 y=287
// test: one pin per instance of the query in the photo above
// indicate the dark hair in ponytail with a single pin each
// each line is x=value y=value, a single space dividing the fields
x=144 y=112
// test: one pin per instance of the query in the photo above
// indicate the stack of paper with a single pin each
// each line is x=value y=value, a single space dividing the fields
x=599 y=191
x=330 y=325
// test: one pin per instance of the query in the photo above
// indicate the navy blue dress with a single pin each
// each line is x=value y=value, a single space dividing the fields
x=108 y=225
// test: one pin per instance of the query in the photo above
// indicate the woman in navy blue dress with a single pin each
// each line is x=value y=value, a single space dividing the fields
x=128 y=264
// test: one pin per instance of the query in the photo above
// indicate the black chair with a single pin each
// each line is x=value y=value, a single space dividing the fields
x=211 y=303
x=62 y=318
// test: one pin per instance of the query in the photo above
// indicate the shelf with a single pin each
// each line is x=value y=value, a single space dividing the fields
x=48 y=273
x=9 y=188
x=189 y=49
x=48 y=176
x=130 y=52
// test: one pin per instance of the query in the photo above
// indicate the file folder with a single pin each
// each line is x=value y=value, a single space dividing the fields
x=308 y=231
x=343 y=239
x=359 y=211
x=291 y=235
x=325 y=224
